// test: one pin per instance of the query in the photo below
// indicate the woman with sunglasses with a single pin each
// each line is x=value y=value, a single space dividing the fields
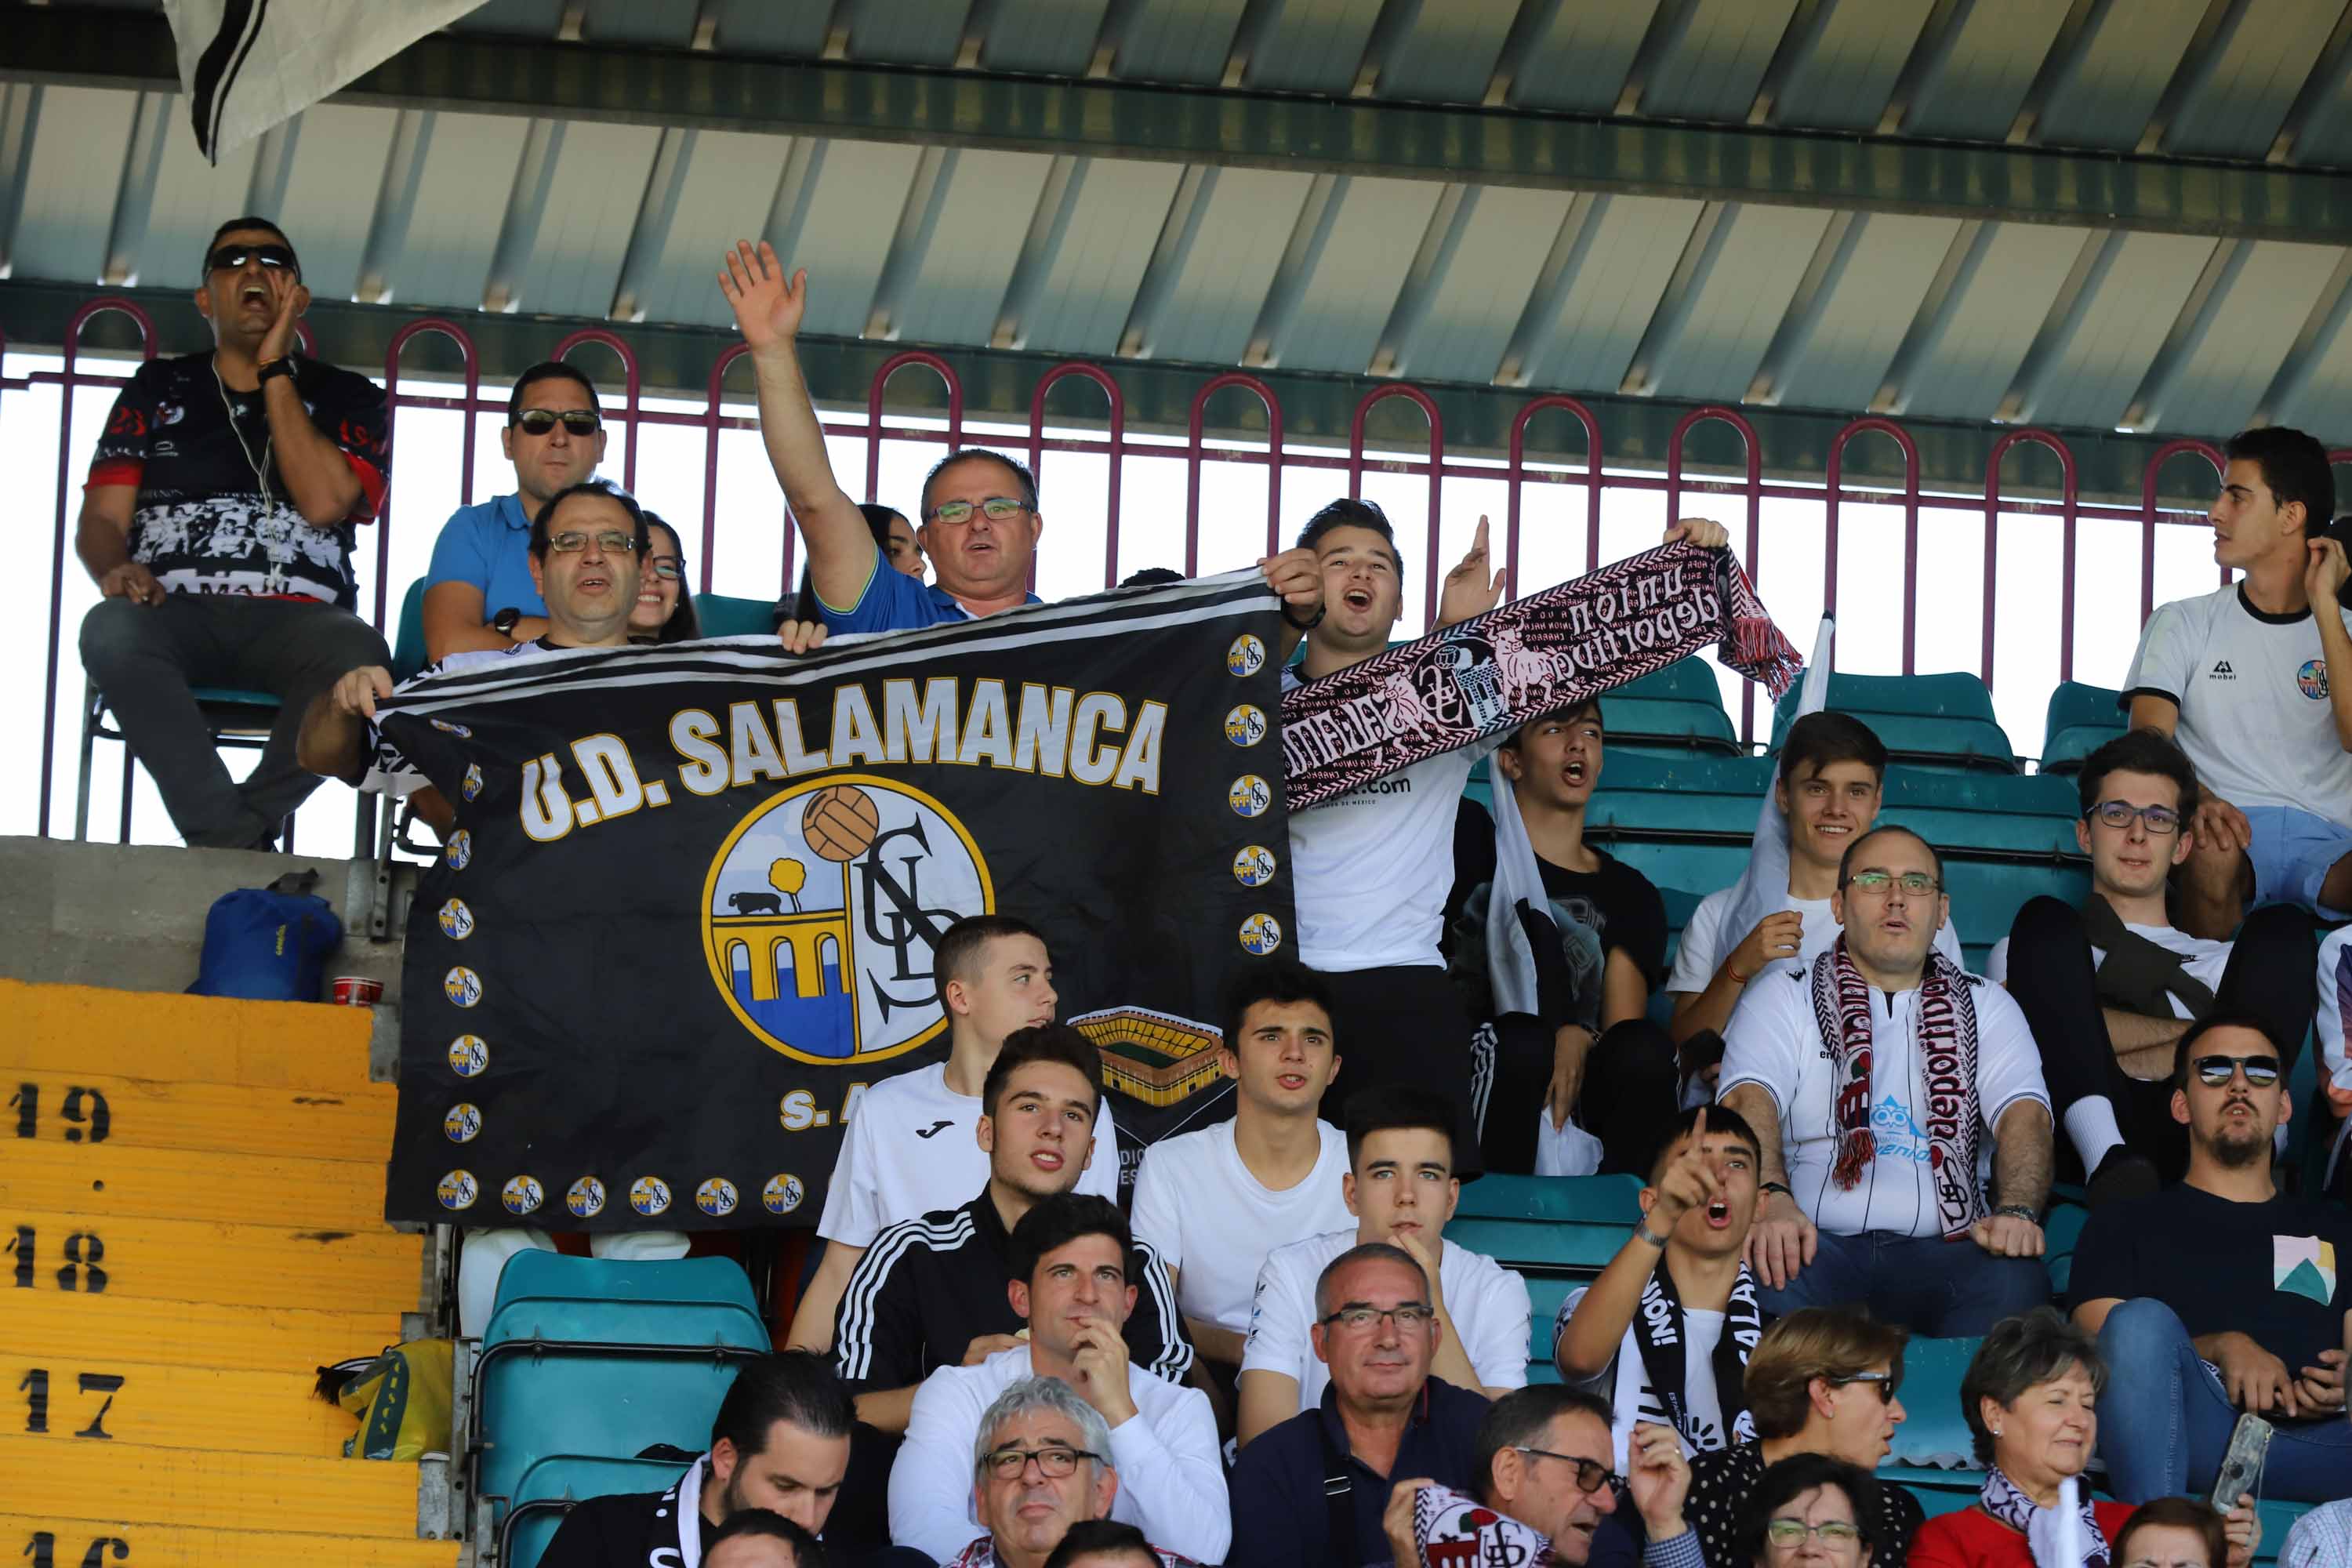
x=665 y=612
x=2030 y=1398
x=1813 y=1511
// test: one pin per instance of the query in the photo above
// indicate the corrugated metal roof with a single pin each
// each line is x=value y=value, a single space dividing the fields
x=1352 y=271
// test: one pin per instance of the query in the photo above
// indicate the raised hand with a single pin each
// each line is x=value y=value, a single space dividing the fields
x=1468 y=592
x=1098 y=1357
x=288 y=299
x=2325 y=570
x=767 y=308
x=1705 y=532
x=356 y=692
x=1295 y=577
x=1776 y=936
x=1688 y=1183
x=1657 y=1478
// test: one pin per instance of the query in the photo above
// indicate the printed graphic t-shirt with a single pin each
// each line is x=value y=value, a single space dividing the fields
x=204 y=521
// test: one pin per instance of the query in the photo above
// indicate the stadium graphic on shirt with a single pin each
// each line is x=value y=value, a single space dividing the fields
x=821 y=909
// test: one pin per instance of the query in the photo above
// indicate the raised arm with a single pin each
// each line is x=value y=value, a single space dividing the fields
x=1596 y=1329
x=332 y=742
x=2323 y=573
x=319 y=476
x=842 y=558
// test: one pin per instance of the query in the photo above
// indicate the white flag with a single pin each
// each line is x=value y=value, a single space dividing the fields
x=247 y=64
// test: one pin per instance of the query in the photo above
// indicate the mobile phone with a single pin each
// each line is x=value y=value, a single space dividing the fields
x=2241 y=1465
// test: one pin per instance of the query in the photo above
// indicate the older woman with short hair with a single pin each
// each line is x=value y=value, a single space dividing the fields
x=1813 y=1511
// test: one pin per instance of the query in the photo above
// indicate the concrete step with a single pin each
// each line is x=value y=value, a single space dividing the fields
x=123 y=1483
x=71 y=1329
x=79 y=1107
x=169 y=1405
x=74 y=1541
x=375 y=1271
x=70 y=1030
x=104 y=1182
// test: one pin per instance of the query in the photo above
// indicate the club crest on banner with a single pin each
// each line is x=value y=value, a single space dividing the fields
x=820 y=912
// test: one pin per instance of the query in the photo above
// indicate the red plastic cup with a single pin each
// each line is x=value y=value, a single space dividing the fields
x=357 y=991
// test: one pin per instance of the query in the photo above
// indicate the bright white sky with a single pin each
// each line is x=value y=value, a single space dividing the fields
x=748 y=560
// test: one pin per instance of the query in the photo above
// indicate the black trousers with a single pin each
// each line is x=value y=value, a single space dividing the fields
x=1403 y=1024
x=2270 y=978
x=1628 y=1099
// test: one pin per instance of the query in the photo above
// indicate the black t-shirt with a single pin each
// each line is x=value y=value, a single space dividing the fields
x=2272 y=1271
x=630 y=1530
x=204 y=521
x=1613 y=909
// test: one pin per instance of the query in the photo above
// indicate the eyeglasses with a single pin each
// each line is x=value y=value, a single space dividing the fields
x=1917 y=883
x=1358 y=1318
x=1053 y=1462
x=2215 y=1072
x=572 y=541
x=996 y=508
x=2119 y=814
x=1786 y=1533
x=1591 y=1475
x=668 y=570
x=539 y=421
x=230 y=257
x=1885 y=1380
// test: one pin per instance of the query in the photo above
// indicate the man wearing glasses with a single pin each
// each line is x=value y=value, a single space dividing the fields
x=217 y=523
x=2221 y=1294
x=2108 y=991
x=1041 y=1465
x=1872 y=1078
x=1314 y=1489
x=478 y=592
x=1070 y=1255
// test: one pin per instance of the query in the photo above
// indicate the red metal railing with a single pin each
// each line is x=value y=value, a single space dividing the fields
x=1116 y=446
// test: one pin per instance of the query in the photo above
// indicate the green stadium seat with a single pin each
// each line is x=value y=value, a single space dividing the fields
x=1938 y=1491
x=1556 y=1227
x=1930 y=721
x=723 y=616
x=1934 y=1433
x=548 y=1490
x=2060 y=1231
x=1677 y=708
x=408 y=639
x=2081 y=719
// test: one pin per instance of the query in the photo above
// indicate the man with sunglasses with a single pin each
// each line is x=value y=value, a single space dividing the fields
x=2221 y=1294
x=978 y=524
x=1879 y=1073
x=217 y=523
x=479 y=594
x=1314 y=1489
x=2110 y=990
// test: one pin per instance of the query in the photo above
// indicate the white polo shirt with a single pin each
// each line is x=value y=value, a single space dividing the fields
x=1705 y=944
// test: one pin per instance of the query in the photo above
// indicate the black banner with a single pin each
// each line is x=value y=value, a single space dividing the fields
x=687 y=914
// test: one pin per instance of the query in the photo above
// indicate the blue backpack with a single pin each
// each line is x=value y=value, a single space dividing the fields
x=268 y=945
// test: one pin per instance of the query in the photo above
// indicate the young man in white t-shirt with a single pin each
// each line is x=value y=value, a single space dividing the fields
x=914 y=1145
x=2109 y=991
x=1831 y=780
x=1669 y=1324
x=2240 y=678
x=1400 y=1186
x=1212 y=1203
x=1371 y=869
x=1877 y=1082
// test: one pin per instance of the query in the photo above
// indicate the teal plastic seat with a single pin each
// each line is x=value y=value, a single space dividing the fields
x=1934 y=1433
x=1928 y=721
x=1563 y=1228
x=1545 y=1294
x=408 y=641
x=604 y=1358
x=1677 y=708
x=725 y=616
x=2060 y=1232
x=550 y=1489
x=2081 y=718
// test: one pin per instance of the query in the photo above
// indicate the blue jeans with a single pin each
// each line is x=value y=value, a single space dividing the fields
x=2164 y=1429
x=1943 y=1289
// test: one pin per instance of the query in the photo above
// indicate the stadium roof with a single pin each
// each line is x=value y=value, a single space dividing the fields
x=2112 y=214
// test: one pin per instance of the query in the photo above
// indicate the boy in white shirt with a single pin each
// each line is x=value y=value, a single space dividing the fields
x=1402 y=1188
x=1831 y=781
x=1885 y=1071
x=1213 y=1202
x=2240 y=678
x=914 y=1145
x=2109 y=991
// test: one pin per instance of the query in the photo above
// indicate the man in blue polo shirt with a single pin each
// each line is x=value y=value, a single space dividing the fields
x=478 y=592
x=979 y=521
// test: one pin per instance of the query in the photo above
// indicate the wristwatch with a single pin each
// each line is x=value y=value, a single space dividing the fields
x=1779 y=1187
x=2019 y=1211
x=283 y=365
x=505 y=622
x=1303 y=625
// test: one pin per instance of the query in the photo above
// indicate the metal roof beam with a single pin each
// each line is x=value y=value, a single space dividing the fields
x=1316 y=409
x=1470 y=146
x=2320 y=330
x=1798 y=40
x=1049 y=224
x=2188 y=335
x=20 y=112
x=134 y=192
x=1937 y=306
x=2059 y=325
x=2198 y=61
x=2326 y=75
x=2074 y=35
x=1448 y=222
x=1929 y=50
x=1832 y=255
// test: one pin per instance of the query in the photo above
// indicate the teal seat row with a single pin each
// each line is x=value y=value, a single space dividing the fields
x=548 y=1490
x=2081 y=718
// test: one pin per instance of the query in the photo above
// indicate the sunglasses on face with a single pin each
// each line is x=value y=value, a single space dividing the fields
x=230 y=257
x=2214 y=1072
x=1882 y=1381
x=2119 y=813
x=539 y=421
x=996 y=508
x=572 y=541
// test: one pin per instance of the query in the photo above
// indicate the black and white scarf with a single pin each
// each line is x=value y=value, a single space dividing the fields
x=1660 y=1333
x=1944 y=1031
x=2044 y=1528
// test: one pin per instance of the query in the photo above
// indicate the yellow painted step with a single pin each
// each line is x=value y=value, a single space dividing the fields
x=104 y=1181
x=201 y=1040
x=129 y=1483
x=170 y=1406
x=161 y=1544
x=157 y=1113
x=80 y=1331
x=199 y=1260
